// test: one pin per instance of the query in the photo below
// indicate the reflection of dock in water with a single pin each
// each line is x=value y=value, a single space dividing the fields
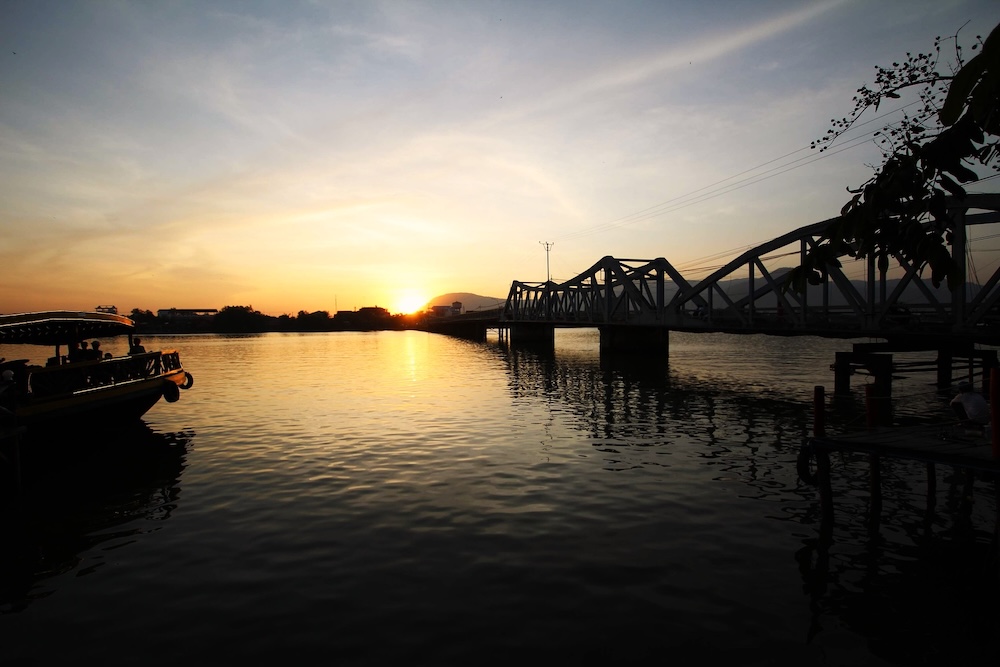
x=969 y=451
x=954 y=565
x=938 y=575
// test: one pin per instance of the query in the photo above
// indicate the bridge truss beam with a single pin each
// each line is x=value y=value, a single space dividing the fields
x=745 y=296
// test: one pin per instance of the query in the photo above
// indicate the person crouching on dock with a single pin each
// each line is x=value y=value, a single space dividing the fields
x=970 y=407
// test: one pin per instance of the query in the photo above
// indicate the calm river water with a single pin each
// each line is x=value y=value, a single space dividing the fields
x=403 y=497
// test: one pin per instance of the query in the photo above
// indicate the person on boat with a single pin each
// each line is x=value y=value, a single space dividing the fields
x=75 y=352
x=95 y=350
x=970 y=406
x=137 y=347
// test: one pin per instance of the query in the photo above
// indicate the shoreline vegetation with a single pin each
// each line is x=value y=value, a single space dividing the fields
x=244 y=319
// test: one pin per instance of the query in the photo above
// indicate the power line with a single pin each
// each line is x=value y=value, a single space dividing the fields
x=718 y=188
x=678 y=203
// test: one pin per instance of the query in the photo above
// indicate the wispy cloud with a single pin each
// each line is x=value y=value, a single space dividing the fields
x=703 y=49
x=282 y=152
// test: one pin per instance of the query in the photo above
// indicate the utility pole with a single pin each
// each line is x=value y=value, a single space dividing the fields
x=548 y=246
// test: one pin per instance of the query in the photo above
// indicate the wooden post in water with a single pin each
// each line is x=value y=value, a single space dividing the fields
x=875 y=489
x=881 y=367
x=819 y=412
x=989 y=362
x=871 y=406
x=822 y=463
x=944 y=368
x=995 y=411
x=931 y=497
x=842 y=373
x=825 y=488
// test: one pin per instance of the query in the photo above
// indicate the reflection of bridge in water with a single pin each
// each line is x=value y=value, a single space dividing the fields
x=636 y=303
x=735 y=442
x=732 y=440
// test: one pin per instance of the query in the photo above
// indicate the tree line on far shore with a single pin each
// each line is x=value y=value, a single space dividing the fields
x=244 y=319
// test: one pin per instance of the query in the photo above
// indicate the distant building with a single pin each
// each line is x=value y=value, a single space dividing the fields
x=107 y=309
x=447 y=311
x=373 y=312
x=184 y=315
x=367 y=318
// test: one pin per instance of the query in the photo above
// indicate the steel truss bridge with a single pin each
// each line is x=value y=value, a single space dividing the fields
x=635 y=303
x=745 y=297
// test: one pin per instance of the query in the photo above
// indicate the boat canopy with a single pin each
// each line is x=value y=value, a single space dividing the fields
x=61 y=327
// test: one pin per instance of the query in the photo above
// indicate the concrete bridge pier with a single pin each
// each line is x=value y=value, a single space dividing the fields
x=635 y=340
x=533 y=334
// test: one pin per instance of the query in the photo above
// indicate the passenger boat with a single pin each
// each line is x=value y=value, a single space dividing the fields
x=95 y=393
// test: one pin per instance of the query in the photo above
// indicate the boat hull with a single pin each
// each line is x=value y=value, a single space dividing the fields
x=99 y=407
x=104 y=406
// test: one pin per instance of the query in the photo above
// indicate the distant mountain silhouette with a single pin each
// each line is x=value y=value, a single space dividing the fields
x=469 y=301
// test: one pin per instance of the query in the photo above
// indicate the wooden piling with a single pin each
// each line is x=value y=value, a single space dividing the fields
x=995 y=411
x=875 y=491
x=869 y=406
x=819 y=412
x=825 y=487
x=931 y=494
x=842 y=373
x=944 y=368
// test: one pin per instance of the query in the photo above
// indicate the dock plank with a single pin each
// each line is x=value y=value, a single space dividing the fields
x=945 y=444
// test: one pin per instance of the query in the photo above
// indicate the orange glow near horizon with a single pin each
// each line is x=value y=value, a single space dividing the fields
x=408 y=301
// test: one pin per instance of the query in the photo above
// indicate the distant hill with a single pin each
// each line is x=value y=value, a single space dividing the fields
x=469 y=301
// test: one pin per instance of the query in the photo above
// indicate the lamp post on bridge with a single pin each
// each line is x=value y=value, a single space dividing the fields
x=548 y=246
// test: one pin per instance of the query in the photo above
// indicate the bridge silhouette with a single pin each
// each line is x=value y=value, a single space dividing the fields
x=635 y=303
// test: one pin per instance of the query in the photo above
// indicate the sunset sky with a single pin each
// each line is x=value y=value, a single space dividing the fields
x=333 y=155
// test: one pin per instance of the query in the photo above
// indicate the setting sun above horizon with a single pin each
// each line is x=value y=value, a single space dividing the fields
x=408 y=302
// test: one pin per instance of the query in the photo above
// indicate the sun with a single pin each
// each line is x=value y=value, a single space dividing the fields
x=408 y=301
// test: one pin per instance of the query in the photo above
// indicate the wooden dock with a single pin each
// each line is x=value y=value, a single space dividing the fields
x=933 y=445
x=946 y=444
x=974 y=451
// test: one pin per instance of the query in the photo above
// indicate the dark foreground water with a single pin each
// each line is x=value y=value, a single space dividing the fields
x=406 y=498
